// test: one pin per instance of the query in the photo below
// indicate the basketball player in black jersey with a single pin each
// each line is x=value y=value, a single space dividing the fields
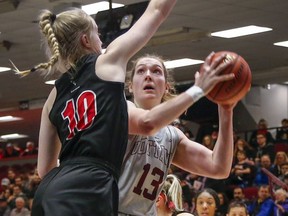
x=84 y=121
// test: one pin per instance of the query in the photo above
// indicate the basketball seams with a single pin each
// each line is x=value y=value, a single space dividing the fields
x=242 y=87
x=233 y=90
x=224 y=82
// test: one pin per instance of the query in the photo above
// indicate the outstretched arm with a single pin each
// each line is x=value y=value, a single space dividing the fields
x=195 y=158
x=114 y=61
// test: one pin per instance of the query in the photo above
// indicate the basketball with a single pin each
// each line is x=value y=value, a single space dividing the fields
x=231 y=91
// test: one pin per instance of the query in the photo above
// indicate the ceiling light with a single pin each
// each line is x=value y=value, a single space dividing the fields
x=282 y=43
x=242 y=31
x=13 y=136
x=181 y=63
x=50 y=82
x=9 y=118
x=3 y=69
x=99 y=6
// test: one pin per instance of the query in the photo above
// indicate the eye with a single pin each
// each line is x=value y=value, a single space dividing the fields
x=210 y=203
x=140 y=71
x=157 y=71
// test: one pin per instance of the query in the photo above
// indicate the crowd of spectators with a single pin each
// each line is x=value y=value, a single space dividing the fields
x=247 y=182
x=17 y=189
x=12 y=150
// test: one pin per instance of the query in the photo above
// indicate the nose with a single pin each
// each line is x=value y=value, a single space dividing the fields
x=148 y=75
x=204 y=205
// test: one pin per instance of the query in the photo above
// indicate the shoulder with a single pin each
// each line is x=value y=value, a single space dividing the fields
x=109 y=68
x=131 y=104
x=50 y=101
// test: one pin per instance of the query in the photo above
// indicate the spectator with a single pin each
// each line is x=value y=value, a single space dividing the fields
x=238 y=195
x=223 y=204
x=281 y=203
x=237 y=208
x=264 y=147
x=241 y=144
x=34 y=183
x=280 y=158
x=11 y=176
x=282 y=133
x=30 y=149
x=261 y=178
x=284 y=170
x=208 y=142
x=5 y=182
x=242 y=172
x=4 y=208
x=19 y=182
x=261 y=129
x=263 y=205
x=204 y=129
x=17 y=192
x=10 y=151
x=20 y=209
x=8 y=195
x=195 y=181
x=206 y=202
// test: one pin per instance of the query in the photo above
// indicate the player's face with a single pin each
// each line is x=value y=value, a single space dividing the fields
x=148 y=83
x=205 y=204
x=237 y=211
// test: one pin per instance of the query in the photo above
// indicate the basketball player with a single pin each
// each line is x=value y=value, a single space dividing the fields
x=169 y=201
x=81 y=117
x=149 y=156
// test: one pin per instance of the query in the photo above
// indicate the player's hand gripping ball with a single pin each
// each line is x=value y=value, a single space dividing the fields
x=228 y=92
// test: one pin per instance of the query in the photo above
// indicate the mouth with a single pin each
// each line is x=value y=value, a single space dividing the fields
x=148 y=87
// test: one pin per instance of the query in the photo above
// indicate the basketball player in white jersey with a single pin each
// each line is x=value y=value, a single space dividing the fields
x=148 y=156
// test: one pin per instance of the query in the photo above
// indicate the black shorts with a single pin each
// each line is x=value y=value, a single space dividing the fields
x=77 y=188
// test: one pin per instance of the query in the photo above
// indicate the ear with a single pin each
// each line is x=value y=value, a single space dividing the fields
x=159 y=198
x=167 y=88
x=130 y=88
x=85 y=41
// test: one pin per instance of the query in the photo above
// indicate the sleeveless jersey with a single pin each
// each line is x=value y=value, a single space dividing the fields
x=90 y=115
x=144 y=171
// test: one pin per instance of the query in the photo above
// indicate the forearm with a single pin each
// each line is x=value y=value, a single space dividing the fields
x=163 y=114
x=163 y=6
x=223 y=150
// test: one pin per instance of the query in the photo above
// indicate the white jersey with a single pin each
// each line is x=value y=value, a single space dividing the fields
x=146 y=163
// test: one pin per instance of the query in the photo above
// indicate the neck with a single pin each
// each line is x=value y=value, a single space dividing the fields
x=147 y=105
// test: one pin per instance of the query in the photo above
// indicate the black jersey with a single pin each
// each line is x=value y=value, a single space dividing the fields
x=90 y=115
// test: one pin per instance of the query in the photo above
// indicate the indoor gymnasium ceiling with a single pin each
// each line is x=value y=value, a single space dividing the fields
x=197 y=18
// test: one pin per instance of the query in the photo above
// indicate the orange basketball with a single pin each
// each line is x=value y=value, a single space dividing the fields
x=233 y=90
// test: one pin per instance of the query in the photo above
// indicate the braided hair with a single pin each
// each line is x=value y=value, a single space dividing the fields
x=61 y=37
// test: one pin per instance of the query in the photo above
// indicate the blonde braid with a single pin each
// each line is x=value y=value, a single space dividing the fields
x=46 y=27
